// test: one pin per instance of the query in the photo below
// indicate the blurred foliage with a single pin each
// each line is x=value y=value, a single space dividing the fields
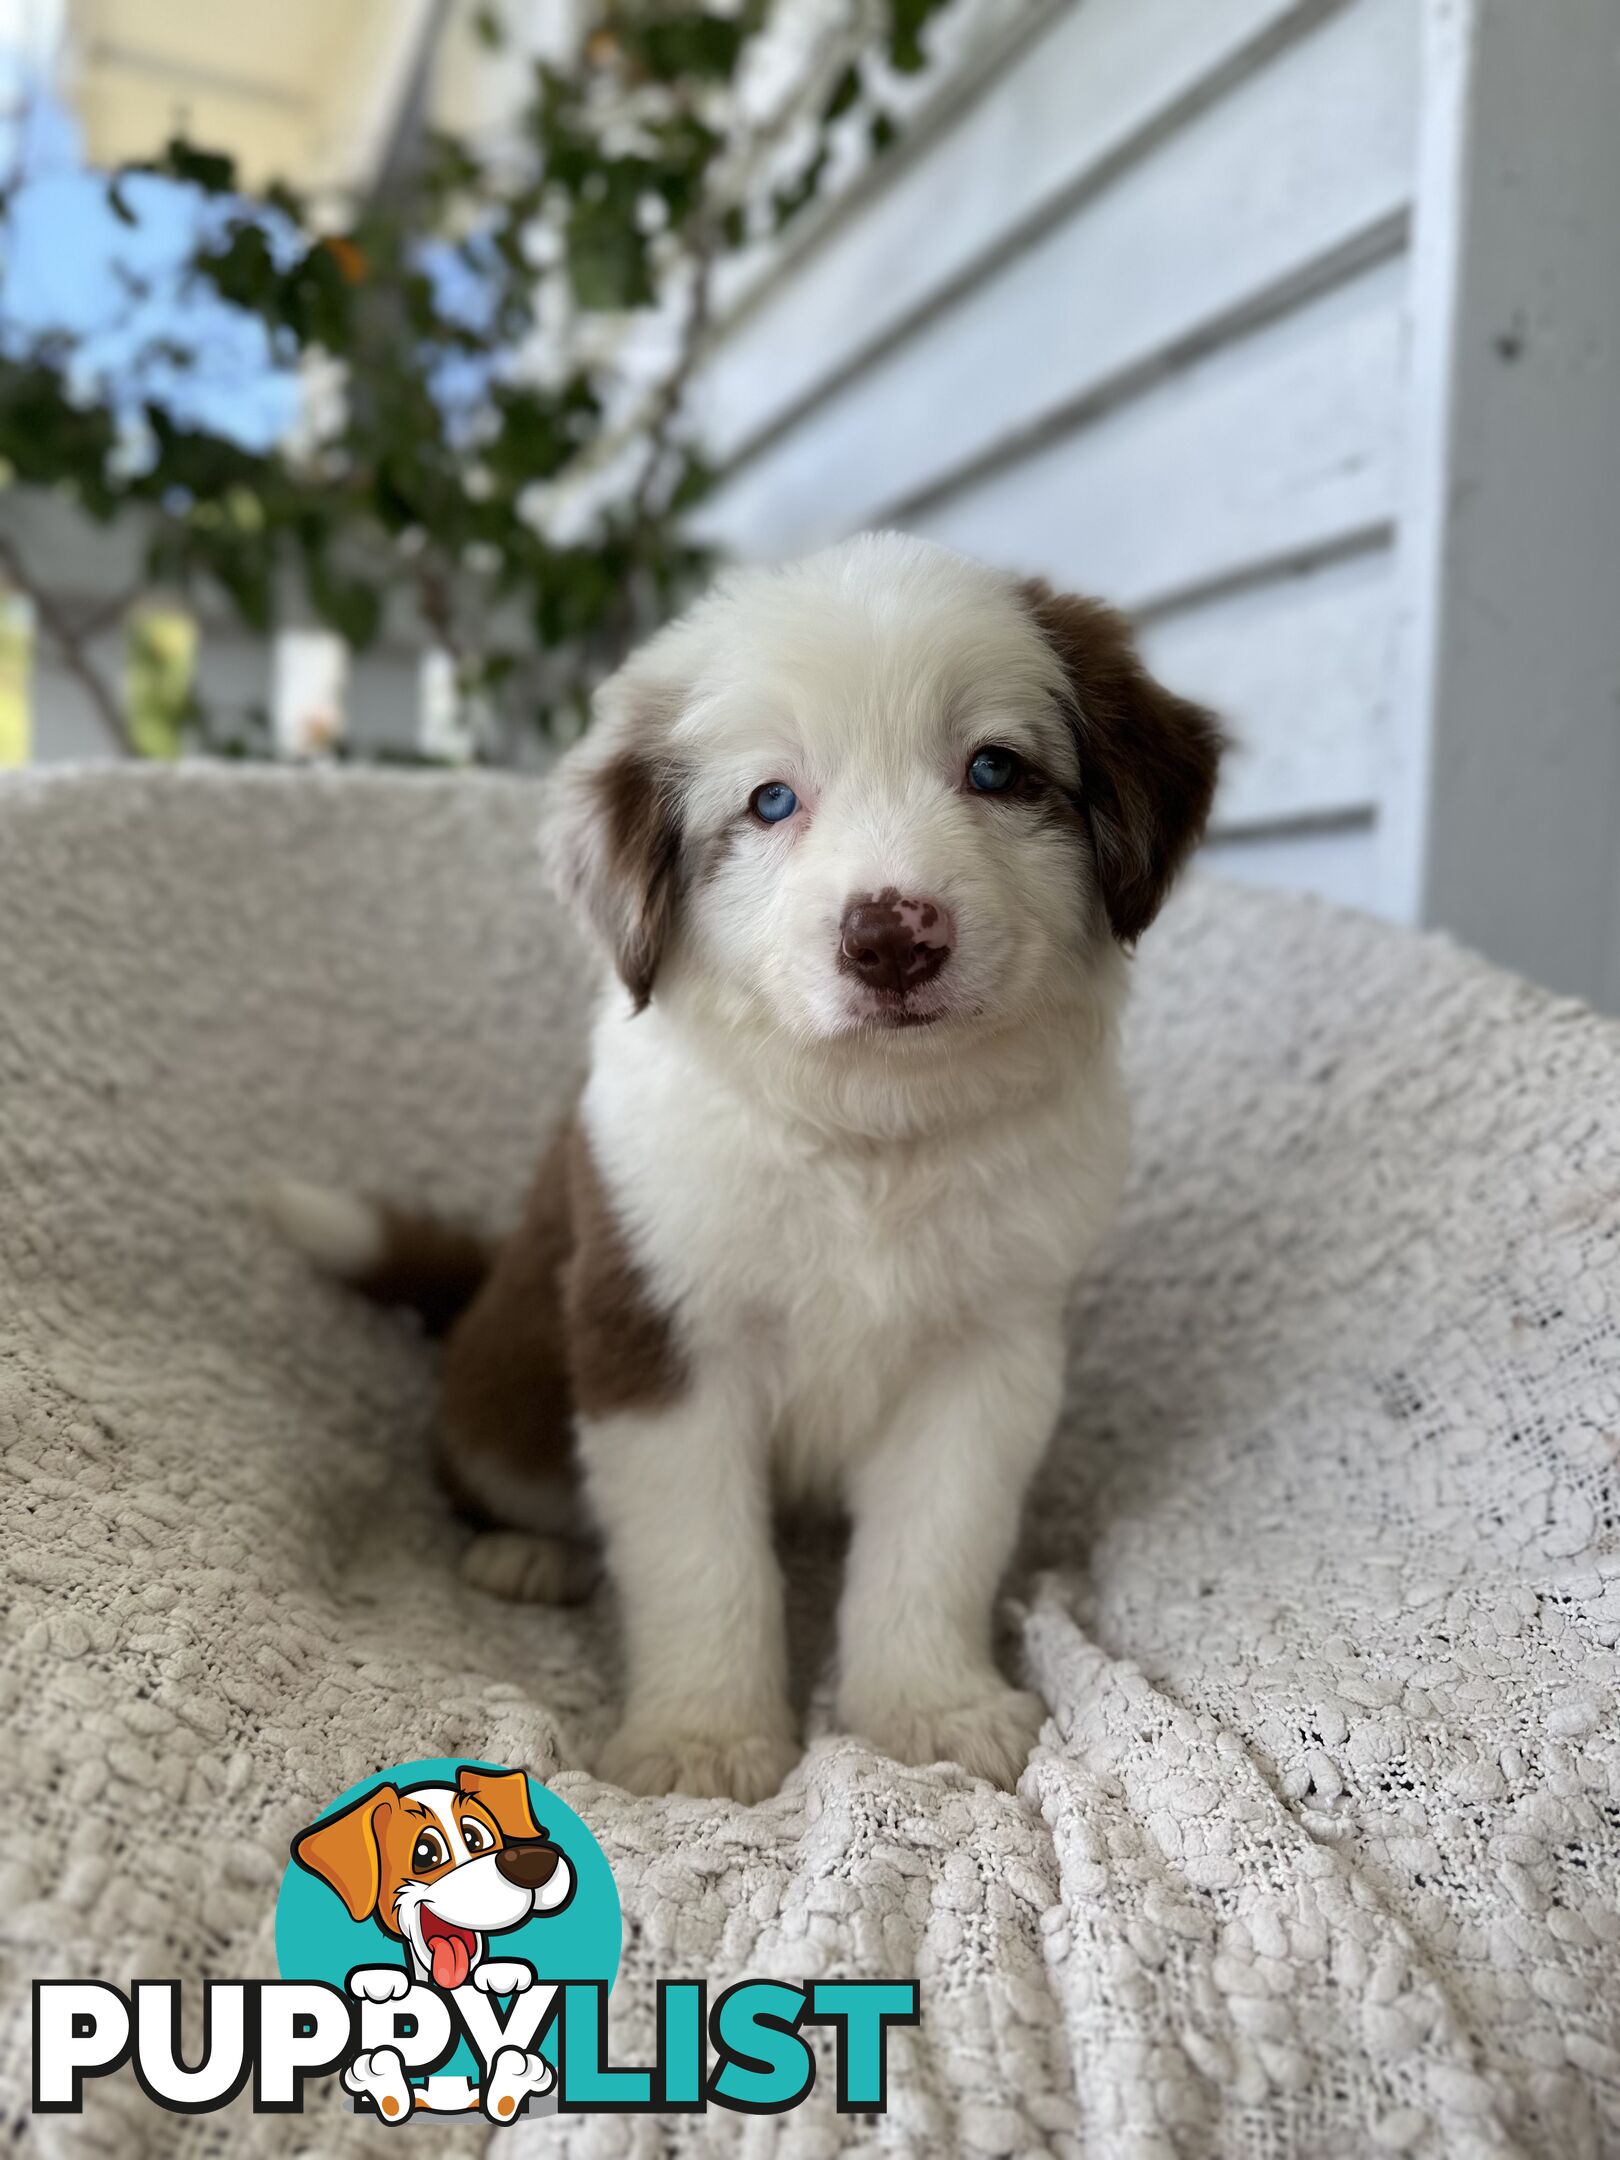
x=483 y=461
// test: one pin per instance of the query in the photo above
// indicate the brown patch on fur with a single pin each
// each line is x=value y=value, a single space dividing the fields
x=706 y=858
x=473 y=1509
x=1148 y=759
x=622 y=1348
x=563 y=1323
x=635 y=798
x=507 y=1398
x=435 y=1268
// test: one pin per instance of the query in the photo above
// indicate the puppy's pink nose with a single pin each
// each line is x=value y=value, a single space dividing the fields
x=894 y=944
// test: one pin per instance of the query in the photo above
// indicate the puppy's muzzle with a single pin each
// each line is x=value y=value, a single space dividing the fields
x=892 y=944
x=530 y=1866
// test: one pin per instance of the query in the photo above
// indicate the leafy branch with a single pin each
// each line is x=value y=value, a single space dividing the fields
x=484 y=459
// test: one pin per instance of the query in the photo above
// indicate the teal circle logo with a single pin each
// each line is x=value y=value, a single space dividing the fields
x=458 y=1876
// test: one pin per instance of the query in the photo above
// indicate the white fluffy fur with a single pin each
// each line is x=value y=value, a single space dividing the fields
x=866 y=1237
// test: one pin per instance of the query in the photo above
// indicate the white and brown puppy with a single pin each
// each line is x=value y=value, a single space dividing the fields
x=867 y=840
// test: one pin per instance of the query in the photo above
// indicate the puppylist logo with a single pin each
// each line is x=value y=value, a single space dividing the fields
x=448 y=1934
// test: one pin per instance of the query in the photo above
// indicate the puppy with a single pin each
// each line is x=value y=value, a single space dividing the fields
x=867 y=841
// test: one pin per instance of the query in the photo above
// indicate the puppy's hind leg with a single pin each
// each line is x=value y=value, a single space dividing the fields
x=531 y=1570
x=505 y=1450
x=532 y=1543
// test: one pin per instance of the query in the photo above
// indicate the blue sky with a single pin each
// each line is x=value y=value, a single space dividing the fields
x=63 y=250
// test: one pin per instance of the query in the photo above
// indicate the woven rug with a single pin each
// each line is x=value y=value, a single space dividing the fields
x=1320 y=1853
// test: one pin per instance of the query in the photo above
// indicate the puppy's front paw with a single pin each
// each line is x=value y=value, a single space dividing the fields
x=649 y=1758
x=503 y=1976
x=380 y=1983
x=990 y=1734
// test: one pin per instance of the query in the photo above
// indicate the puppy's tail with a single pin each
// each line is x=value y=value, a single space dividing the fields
x=387 y=1255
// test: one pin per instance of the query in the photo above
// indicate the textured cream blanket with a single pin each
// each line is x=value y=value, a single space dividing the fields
x=1321 y=1852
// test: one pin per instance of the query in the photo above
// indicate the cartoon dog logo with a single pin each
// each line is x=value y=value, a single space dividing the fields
x=441 y=1868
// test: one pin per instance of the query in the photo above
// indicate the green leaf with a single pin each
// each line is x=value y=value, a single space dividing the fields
x=607 y=258
x=843 y=95
x=669 y=46
x=285 y=201
x=210 y=170
x=907 y=19
x=696 y=479
x=242 y=269
x=789 y=201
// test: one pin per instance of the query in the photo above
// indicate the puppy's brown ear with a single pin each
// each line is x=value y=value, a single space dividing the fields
x=506 y=1795
x=344 y=1850
x=1148 y=759
x=611 y=830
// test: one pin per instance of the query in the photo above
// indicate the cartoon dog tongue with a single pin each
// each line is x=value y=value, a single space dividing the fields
x=451 y=1957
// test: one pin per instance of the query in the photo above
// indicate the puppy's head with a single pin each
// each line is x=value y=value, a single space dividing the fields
x=880 y=794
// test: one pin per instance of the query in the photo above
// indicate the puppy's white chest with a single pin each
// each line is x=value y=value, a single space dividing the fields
x=877 y=1250
x=832 y=1274
x=864 y=1278
x=865 y=1304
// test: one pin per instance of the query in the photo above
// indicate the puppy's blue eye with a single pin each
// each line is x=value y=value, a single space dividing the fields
x=994 y=770
x=773 y=802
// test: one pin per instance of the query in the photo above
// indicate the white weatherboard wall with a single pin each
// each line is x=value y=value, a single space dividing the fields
x=1169 y=311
